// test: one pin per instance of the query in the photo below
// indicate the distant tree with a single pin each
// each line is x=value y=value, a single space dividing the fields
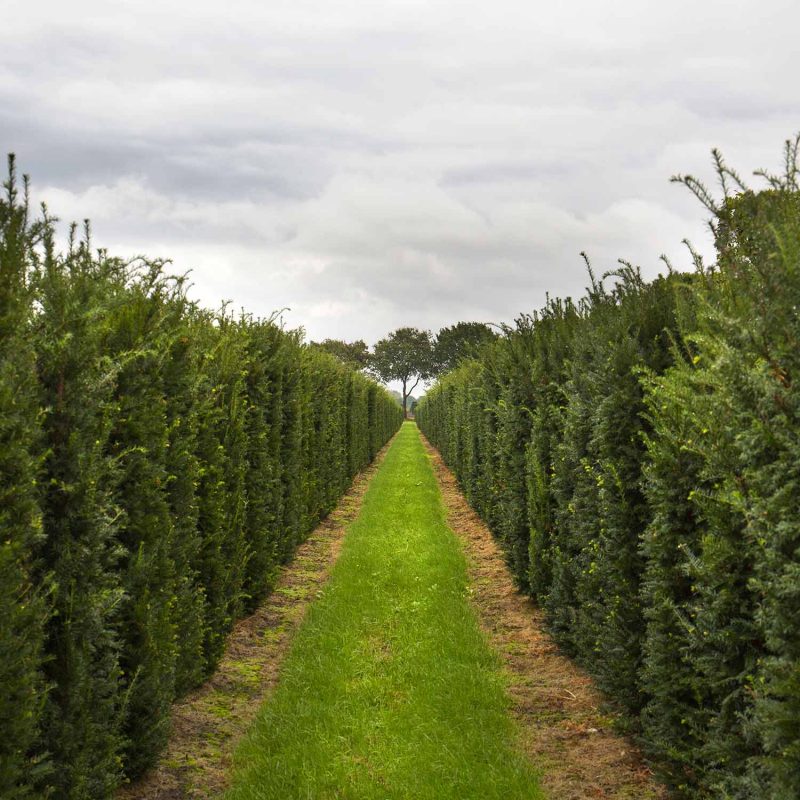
x=458 y=342
x=405 y=355
x=354 y=354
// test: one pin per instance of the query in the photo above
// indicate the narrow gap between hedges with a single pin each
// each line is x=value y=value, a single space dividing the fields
x=415 y=671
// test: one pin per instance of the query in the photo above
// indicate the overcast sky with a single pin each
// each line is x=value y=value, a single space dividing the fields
x=376 y=164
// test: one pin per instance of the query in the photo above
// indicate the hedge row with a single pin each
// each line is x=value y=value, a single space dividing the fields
x=638 y=454
x=158 y=462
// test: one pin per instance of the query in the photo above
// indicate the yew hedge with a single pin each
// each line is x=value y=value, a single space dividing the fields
x=638 y=454
x=158 y=462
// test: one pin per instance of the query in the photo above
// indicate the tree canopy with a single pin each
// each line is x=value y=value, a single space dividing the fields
x=355 y=354
x=457 y=342
x=405 y=355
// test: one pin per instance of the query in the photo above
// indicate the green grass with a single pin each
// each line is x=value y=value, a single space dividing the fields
x=389 y=690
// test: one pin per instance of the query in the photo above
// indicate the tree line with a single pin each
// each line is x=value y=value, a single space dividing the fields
x=637 y=452
x=410 y=355
x=158 y=463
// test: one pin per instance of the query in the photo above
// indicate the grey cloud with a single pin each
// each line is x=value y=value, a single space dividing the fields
x=397 y=162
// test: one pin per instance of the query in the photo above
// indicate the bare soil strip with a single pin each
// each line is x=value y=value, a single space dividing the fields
x=566 y=725
x=207 y=724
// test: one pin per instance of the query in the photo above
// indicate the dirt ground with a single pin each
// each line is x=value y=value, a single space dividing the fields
x=566 y=727
x=207 y=724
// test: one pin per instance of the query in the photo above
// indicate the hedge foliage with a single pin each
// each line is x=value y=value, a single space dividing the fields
x=638 y=454
x=158 y=462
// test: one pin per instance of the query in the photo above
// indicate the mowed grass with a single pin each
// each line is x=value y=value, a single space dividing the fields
x=390 y=690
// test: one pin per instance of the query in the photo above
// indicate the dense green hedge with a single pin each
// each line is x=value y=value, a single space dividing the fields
x=158 y=462
x=638 y=454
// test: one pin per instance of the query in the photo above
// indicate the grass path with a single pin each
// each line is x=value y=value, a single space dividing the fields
x=390 y=689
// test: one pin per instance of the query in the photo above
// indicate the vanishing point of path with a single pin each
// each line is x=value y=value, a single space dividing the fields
x=390 y=689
